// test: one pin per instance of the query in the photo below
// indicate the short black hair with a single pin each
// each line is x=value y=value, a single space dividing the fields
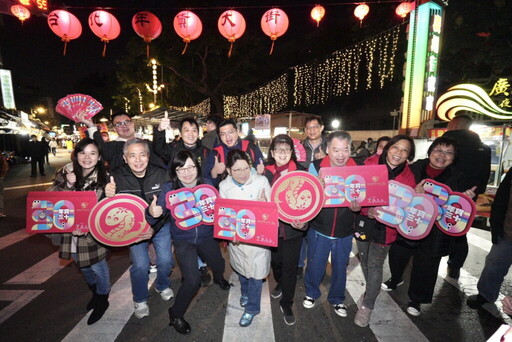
x=397 y=138
x=215 y=118
x=226 y=122
x=190 y=120
x=311 y=118
x=118 y=113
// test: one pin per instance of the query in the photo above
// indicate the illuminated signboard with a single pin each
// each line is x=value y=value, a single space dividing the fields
x=501 y=93
x=7 y=90
x=35 y=5
x=421 y=75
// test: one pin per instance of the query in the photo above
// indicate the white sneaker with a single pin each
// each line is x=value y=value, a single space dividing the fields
x=308 y=302
x=152 y=269
x=141 y=310
x=166 y=294
x=340 y=310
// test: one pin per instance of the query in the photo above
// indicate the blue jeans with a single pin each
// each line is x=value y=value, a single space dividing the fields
x=319 y=248
x=303 y=252
x=97 y=274
x=251 y=288
x=200 y=263
x=139 y=271
x=496 y=267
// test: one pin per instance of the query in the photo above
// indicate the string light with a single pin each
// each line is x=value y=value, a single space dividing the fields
x=155 y=88
x=202 y=108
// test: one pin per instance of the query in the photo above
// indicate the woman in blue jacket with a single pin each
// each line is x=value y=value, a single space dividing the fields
x=188 y=244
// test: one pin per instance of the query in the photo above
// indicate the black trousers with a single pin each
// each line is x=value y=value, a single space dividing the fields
x=398 y=257
x=34 y=163
x=186 y=255
x=284 y=262
x=458 y=252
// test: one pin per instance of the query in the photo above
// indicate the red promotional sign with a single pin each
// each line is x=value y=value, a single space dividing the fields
x=367 y=185
x=412 y=214
x=257 y=225
x=119 y=220
x=58 y=211
x=299 y=196
x=456 y=210
x=192 y=207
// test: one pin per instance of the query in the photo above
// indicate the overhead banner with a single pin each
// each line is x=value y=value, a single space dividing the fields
x=252 y=222
x=58 y=211
x=7 y=90
x=366 y=184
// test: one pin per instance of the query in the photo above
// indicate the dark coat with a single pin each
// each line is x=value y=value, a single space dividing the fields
x=168 y=151
x=500 y=206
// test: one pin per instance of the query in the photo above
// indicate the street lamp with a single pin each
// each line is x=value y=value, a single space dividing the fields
x=335 y=123
x=394 y=114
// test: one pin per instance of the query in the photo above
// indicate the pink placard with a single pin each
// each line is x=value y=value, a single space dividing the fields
x=58 y=211
x=251 y=222
x=366 y=184
x=412 y=214
x=456 y=210
x=192 y=207
x=299 y=196
x=119 y=220
x=300 y=151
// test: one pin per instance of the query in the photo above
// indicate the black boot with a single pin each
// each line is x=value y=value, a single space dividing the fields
x=92 y=302
x=99 y=309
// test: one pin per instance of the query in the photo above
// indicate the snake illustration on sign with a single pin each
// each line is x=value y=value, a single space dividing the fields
x=299 y=196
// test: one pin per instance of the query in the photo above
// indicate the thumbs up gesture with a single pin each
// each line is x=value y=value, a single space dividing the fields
x=165 y=123
x=154 y=209
x=218 y=168
x=262 y=197
x=261 y=167
x=70 y=179
x=471 y=192
x=110 y=188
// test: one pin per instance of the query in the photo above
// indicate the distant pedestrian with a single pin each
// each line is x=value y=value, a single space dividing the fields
x=53 y=146
x=46 y=150
x=36 y=153
x=211 y=139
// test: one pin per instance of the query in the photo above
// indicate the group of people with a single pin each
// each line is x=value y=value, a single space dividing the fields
x=238 y=169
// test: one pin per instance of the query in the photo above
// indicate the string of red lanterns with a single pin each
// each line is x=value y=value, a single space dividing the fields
x=231 y=24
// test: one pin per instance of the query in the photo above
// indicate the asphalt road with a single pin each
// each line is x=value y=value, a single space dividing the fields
x=43 y=298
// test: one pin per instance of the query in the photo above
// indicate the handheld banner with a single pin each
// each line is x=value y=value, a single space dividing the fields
x=366 y=184
x=58 y=211
x=251 y=222
x=456 y=210
x=412 y=214
x=192 y=207
x=299 y=196
x=118 y=221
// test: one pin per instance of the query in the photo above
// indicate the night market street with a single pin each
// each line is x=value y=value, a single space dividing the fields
x=44 y=299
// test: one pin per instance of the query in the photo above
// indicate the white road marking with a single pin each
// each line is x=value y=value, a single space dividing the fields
x=19 y=299
x=117 y=315
x=262 y=327
x=40 y=272
x=477 y=241
x=388 y=321
x=13 y=238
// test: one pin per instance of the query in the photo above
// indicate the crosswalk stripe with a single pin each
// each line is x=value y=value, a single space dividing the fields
x=388 y=322
x=115 y=318
x=477 y=241
x=13 y=238
x=40 y=272
x=19 y=299
x=262 y=327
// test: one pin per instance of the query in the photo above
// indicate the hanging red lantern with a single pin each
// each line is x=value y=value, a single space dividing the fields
x=65 y=25
x=361 y=11
x=274 y=24
x=317 y=13
x=404 y=8
x=188 y=26
x=105 y=26
x=20 y=12
x=147 y=26
x=231 y=25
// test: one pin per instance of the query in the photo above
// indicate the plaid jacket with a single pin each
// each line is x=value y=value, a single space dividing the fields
x=89 y=251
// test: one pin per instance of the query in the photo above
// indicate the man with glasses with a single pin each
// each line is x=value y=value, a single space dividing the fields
x=141 y=178
x=315 y=144
x=215 y=165
x=474 y=160
x=112 y=151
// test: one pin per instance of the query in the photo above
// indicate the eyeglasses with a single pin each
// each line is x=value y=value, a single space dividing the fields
x=184 y=170
x=312 y=128
x=122 y=123
x=438 y=151
x=223 y=134
x=282 y=150
x=241 y=170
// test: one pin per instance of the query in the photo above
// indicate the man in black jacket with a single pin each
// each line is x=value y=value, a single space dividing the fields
x=36 y=153
x=499 y=259
x=139 y=177
x=474 y=160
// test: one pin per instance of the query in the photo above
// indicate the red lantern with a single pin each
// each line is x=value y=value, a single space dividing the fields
x=147 y=26
x=404 y=8
x=105 y=26
x=231 y=25
x=65 y=25
x=188 y=26
x=20 y=12
x=361 y=11
x=274 y=24
x=317 y=13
